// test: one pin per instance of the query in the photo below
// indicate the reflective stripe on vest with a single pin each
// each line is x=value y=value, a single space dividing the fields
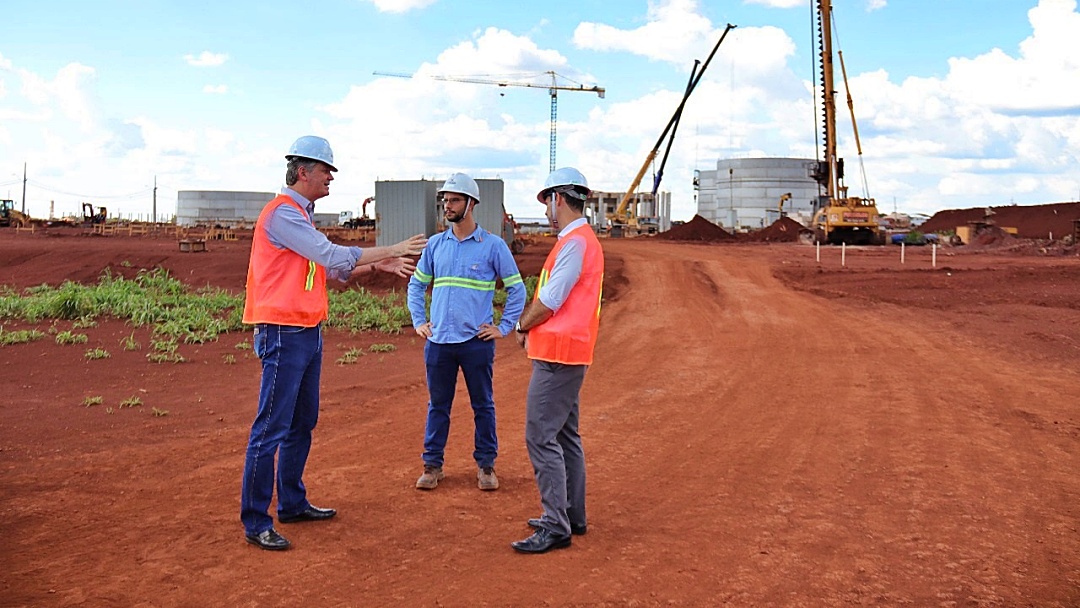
x=283 y=287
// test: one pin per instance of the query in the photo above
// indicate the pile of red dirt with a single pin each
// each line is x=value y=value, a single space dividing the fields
x=783 y=230
x=697 y=229
x=1030 y=221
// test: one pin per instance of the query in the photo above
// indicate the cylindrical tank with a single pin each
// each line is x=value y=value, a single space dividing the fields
x=744 y=193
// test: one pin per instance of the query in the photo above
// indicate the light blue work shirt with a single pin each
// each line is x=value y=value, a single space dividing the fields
x=462 y=274
x=288 y=227
x=566 y=270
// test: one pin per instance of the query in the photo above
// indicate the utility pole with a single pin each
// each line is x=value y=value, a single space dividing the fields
x=153 y=218
x=24 y=188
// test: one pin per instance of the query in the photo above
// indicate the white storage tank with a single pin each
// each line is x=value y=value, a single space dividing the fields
x=744 y=193
x=219 y=207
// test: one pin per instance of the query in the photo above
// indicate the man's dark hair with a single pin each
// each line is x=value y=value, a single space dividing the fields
x=575 y=197
x=292 y=172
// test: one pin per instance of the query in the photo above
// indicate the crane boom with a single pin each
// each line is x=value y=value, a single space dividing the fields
x=622 y=213
x=552 y=88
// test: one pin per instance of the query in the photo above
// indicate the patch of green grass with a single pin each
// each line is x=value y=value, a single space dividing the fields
x=245 y=345
x=130 y=343
x=97 y=353
x=158 y=412
x=382 y=348
x=130 y=402
x=69 y=337
x=229 y=359
x=91 y=401
x=350 y=356
x=21 y=336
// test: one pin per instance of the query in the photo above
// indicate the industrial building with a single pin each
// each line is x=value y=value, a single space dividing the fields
x=219 y=207
x=406 y=208
x=745 y=193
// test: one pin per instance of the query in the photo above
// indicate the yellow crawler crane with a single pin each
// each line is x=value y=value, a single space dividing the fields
x=839 y=218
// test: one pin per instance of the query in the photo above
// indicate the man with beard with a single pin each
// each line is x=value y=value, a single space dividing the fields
x=462 y=265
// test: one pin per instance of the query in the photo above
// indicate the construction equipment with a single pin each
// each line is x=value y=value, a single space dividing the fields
x=785 y=197
x=511 y=228
x=10 y=216
x=625 y=217
x=553 y=91
x=839 y=218
x=348 y=221
x=89 y=217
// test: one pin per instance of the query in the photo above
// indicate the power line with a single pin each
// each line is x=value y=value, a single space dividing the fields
x=48 y=188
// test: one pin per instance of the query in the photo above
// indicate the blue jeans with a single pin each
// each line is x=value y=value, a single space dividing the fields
x=288 y=411
x=475 y=358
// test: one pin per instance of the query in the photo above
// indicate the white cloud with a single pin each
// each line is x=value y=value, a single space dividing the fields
x=215 y=89
x=400 y=6
x=778 y=3
x=674 y=30
x=875 y=5
x=206 y=59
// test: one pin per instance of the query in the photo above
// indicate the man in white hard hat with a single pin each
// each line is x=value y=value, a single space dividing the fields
x=287 y=303
x=558 y=331
x=462 y=265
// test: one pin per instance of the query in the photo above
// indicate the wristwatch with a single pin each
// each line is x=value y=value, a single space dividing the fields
x=518 y=329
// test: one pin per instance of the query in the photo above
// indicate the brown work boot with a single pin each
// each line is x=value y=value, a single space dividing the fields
x=486 y=479
x=430 y=479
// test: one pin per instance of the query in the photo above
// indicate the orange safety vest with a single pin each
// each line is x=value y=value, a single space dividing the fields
x=570 y=334
x=283 y=287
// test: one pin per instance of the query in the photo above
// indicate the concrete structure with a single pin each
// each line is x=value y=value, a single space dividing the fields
x=406 y=208
x=219 y=207
x=744 y=193
x=654 y=213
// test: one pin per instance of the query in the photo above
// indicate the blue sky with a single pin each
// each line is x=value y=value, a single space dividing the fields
x=959 y=103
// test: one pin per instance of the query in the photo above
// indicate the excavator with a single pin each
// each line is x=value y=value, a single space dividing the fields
x=10 y=216
x=89 y=217
x=363 y=221
x=839 y=218
x=785 y=197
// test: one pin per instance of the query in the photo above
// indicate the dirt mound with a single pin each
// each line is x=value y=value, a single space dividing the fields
x=697 y=229
x=783 y=230
x=1030 y=221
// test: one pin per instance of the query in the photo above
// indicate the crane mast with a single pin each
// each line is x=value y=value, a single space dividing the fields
x=838 y=218
x=553 y=92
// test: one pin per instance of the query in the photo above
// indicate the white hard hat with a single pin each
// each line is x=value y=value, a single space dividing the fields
x=462 y=184
x=313 y=147
x=566 y=176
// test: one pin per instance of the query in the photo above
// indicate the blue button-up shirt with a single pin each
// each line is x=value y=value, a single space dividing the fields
x=289 y=228
x=462 y=276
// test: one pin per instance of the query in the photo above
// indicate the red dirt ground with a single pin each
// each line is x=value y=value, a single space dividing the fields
x=761 y=429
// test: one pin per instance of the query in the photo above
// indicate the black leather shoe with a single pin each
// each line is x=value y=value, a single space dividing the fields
x=269 y=540
x=575 y=529
x=312 y=513
x=542 y=541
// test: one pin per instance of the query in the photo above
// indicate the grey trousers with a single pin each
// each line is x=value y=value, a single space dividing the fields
x=551 y=435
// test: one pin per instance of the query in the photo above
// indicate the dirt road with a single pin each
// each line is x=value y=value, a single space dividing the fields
x=760 y=430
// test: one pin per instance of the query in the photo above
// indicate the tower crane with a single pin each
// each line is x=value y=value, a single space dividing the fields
x=553 y=91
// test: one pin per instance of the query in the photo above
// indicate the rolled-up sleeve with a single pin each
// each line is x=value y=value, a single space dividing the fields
x=289 y=228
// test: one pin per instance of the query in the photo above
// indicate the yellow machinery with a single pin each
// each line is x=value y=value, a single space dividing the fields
x=785 y=197
x=839 y=218
x=10 y=216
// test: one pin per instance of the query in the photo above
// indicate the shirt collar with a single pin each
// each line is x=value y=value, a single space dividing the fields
x=477 y=235
x=572 y=226
x=299 y=198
